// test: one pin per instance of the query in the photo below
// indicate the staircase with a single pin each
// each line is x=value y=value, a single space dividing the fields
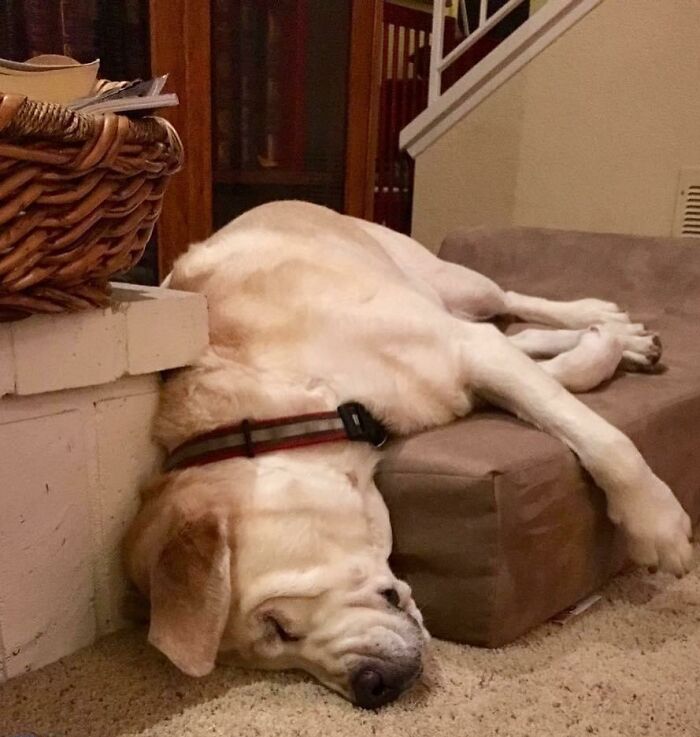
x=505 y=41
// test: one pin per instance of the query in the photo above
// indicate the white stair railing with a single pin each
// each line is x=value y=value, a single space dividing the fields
x=548 y=19
x=438 y=62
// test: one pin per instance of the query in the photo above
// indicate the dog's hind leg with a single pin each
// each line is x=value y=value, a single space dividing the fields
x=579 y=313
x=471 y=296
x=468 y=294
x=463 y=292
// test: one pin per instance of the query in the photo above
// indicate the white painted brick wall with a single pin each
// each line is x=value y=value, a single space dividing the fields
x=65 y=351
x=162 y=333
x=7 y=366
x=126 y=457
x=81 y=391
x=46 y=571
x=146 y=329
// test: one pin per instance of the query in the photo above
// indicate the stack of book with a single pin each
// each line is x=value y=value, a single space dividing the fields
x=49 y=78
x=260 y=81
x=60 y=79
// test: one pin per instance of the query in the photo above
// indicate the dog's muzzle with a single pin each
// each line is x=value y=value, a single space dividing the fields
x=375 y=684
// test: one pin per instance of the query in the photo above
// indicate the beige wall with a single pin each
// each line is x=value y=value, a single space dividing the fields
x=468 y=177
x=590 y=135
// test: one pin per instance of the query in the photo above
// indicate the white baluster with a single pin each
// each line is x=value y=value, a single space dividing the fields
x=436 y=46
x=482 y=12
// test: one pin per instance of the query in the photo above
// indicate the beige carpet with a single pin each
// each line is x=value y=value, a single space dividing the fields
x=629 y=667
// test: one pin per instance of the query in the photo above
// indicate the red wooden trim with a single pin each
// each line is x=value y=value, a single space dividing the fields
x=181 y=47
x=363 y=107
x=393 y=151
x=408 y=17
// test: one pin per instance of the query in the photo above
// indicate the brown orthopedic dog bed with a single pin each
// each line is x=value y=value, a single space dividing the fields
x=496 y=526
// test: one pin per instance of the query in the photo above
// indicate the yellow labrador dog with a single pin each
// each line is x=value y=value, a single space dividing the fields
x=266 y=543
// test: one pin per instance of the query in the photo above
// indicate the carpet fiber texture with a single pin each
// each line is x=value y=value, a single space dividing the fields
x=628 y=667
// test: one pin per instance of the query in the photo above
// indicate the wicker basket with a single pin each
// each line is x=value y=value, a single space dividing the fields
x=79 y=196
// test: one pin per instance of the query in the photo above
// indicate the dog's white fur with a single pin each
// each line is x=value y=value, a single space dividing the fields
x=309 y=309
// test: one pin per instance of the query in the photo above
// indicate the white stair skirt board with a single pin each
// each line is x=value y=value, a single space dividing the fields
x=544 y=27
x=80 y=393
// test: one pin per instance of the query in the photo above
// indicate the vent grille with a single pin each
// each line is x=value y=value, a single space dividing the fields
x=687 y=220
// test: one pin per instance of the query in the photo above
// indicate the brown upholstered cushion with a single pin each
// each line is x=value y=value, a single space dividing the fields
x=496 y=526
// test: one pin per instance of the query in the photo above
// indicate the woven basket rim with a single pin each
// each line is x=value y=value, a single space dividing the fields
x=27 y=119
x=79 y=197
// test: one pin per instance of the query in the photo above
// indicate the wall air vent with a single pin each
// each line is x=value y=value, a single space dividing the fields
x=687 y=220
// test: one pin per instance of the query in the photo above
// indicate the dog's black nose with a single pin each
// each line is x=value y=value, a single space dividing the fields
x=371 y=690
x=392 y=596
x=373 y=685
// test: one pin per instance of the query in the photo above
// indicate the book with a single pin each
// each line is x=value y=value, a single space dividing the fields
x=294 y=86
x=224 y=82
x=48 y=78
x=122 y=38
x=78 y=28
x=267 y=101
x=249 y=74
x=13 y=37
x=122 y=97
x=42 y=63
x=54 y=78
x=43 y=27
x=269 y=152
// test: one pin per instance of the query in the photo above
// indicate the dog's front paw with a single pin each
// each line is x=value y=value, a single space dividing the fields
x=657 y=529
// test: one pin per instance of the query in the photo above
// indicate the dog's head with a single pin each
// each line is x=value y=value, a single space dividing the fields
x=276 y=566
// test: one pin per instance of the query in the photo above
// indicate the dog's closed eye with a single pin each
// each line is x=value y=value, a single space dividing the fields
x=282 y=633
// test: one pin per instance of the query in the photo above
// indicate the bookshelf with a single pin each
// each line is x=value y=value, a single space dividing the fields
x=281 y=88
x=281 y=177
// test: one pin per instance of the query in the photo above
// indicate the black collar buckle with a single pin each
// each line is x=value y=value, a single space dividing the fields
x=360 y=425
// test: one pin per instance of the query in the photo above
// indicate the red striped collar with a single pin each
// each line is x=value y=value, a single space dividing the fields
x=351 y=421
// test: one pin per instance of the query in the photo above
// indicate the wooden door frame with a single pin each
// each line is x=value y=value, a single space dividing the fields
x=364 y=79
x=181 y=47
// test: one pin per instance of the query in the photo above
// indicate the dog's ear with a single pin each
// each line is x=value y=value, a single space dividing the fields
x=191 y=593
